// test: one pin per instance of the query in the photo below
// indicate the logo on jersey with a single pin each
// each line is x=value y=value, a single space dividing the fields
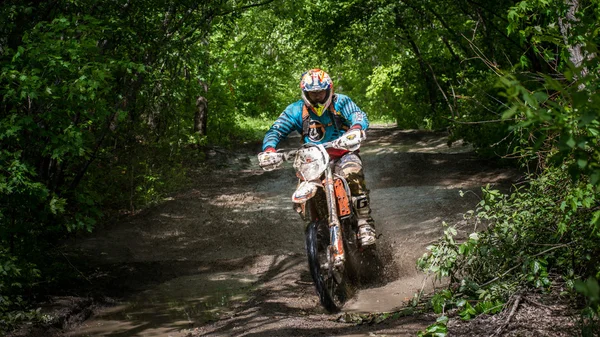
x=316 y=131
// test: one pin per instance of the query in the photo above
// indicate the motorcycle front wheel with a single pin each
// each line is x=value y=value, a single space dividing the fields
x=332 y=285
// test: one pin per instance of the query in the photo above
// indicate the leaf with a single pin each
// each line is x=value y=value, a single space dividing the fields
x=20 y=51
x=595 y=218
x=57 y=205
x=535 y=266
x=589 y=288
x=595 y=177
x=587 y=118
x=530 y=100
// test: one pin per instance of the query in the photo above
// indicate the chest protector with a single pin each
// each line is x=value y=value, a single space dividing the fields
x=337 y=118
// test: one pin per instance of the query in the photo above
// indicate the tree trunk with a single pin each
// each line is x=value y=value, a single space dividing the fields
x=575 y=52
x=201 y=116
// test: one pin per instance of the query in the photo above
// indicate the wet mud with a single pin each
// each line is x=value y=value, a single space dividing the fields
x=226 y=257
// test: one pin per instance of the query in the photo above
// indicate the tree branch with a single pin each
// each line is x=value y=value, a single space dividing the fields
x=510 y=316
x=517 y=266
x=245 y=7
x=482 y=122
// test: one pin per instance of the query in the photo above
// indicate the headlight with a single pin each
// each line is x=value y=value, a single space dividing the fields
x=310 y=162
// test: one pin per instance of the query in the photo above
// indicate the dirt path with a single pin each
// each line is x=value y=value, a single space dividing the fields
x=226 y=257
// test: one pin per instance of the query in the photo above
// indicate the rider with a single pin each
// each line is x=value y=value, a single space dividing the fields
x=322 y=116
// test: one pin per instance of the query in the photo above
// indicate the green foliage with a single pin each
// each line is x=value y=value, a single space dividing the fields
x=546 y=227
x=438 y=329
x=552 y=211
x=557 y=110
x=591 y=314
x=391 y=90
x=591 y=291
x=565 y=128
x=96 y=115
x=468 y=311
x=546 y=230
x=14 y=275
x=441 y=301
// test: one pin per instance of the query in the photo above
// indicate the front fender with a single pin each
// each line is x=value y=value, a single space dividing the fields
x=305 y=191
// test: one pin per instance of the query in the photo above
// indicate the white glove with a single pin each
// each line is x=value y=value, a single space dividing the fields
x=350 y=140
x=270 y=160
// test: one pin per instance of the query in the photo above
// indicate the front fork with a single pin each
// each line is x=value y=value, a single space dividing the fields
x=335 y=252
x=335 y=226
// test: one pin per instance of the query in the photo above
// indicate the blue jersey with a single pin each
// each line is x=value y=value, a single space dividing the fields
x=322 y=129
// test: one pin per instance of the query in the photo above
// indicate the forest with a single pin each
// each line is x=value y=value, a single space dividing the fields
x=106 y=106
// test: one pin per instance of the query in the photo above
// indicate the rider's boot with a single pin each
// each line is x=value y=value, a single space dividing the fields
x=366 y=225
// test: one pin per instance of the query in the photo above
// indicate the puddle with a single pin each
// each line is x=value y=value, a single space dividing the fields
x=172 y=306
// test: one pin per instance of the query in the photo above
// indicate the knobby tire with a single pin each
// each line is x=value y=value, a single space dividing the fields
x=332 y=294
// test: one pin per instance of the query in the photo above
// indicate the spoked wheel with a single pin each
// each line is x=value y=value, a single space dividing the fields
x=332 y=284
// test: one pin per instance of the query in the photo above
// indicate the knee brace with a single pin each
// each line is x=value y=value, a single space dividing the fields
x=361 y=205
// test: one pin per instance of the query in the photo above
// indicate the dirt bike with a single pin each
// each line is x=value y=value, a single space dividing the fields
x=323 y=200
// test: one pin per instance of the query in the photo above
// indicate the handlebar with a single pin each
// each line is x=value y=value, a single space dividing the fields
x=289 y=155
x=273 y=160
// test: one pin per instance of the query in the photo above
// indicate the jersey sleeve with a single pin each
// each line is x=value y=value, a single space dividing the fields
x=289 y=120
x=351 y=112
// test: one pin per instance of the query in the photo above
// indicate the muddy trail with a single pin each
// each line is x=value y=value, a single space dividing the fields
x=226 y=257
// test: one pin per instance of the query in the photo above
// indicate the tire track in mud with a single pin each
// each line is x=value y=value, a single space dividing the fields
x=226 y=257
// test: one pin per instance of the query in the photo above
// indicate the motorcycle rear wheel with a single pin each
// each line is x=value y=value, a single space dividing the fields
x=332 y=286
